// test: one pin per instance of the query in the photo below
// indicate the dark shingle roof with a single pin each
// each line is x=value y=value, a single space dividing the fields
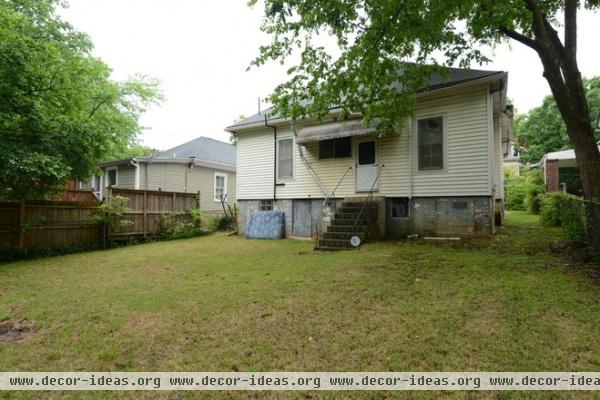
x=436 y=81
x=204 y=149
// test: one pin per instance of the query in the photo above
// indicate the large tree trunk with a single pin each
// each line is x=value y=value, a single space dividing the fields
x=562 y=73
x=566 y=84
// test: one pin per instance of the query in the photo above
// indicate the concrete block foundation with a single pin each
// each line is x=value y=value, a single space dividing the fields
x=435 y=216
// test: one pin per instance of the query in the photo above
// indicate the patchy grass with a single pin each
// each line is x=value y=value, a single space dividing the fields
x=510 y=303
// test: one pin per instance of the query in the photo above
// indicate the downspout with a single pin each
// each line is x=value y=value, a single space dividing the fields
x=411 y=150
x=274 y=157
x=137 y=174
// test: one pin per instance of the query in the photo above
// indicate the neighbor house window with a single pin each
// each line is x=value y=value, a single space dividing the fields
x=220 y=186
x=431 y=144
x=335 y=148
x=265 y=205
x=285 y=158
x=112 y=176
x=399 y=207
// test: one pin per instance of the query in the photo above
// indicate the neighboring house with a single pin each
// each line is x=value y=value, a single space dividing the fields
x=202 y=165
x=560 y=172
x=442 y=174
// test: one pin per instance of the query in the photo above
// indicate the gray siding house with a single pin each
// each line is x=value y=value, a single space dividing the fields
x=440 y=175
x=202 y=165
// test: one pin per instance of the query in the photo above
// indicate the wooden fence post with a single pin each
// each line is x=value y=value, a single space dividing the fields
x=145 y=213
x=108 y=224
x=21 y=223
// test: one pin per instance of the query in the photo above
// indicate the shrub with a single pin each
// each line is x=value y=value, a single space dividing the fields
x=111 y=213
x=183 y=225
x=534 y=189
x=514 y=191
x=567 y=211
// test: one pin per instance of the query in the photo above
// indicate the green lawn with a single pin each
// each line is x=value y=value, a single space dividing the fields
x=510 y=303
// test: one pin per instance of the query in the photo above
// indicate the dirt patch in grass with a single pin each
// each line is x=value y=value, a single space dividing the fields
x=15 y=330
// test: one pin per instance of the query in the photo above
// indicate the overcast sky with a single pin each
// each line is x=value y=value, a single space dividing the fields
x=200 y=50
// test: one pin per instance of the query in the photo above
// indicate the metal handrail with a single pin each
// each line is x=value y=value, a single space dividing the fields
x=370 y=196
x=329 y=197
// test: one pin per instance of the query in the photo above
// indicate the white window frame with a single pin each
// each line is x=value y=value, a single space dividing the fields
x=215 y=197
x=286 y=178
x=116 y=169
x=444 y=144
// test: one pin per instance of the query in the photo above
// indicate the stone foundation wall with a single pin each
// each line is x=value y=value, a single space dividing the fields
x=460 y=216
x=436 y=216
x=312 y=209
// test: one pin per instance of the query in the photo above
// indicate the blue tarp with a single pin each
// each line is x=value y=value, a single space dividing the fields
x=266 y=225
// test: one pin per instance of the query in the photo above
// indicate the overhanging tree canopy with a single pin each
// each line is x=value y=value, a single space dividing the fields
x=60 y=113
x=378 y=38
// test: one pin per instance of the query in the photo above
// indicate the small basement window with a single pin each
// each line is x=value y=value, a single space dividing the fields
x=399 y=207
x=265 y=205
x=335 y=148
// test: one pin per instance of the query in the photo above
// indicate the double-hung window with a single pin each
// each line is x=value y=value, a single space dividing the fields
x=285 y=158
x=112 y=174
x=220 y=186
x=431 y=144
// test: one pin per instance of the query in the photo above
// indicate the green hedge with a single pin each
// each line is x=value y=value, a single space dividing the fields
x=567 y=211
x=523 y=192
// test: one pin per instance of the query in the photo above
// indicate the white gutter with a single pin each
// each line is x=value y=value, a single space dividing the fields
x=490 y=132
x=411 y=150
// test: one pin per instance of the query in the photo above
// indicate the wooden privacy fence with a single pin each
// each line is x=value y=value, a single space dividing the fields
x=28 y=224
x=149 y=207
x=78 y=195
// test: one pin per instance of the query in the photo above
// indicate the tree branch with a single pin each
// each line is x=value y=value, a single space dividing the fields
x=519 y=37
x=97 y=107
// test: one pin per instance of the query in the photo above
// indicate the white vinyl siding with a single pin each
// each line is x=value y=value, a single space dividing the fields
x=467 y=165
x=466 y=170
x=255 y=153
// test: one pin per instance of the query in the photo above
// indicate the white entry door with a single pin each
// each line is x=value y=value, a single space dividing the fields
x=367 y=166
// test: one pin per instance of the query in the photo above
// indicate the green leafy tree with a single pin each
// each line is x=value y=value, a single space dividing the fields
x=133 y=150
x=383 y=42
x=60 y=113
x=542 y=129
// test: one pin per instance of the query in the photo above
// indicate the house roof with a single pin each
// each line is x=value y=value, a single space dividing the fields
x=563 y=155
x=203 y=149
x=455 y=77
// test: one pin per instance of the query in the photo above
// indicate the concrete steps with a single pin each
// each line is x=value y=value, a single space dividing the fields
x=353 y=218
